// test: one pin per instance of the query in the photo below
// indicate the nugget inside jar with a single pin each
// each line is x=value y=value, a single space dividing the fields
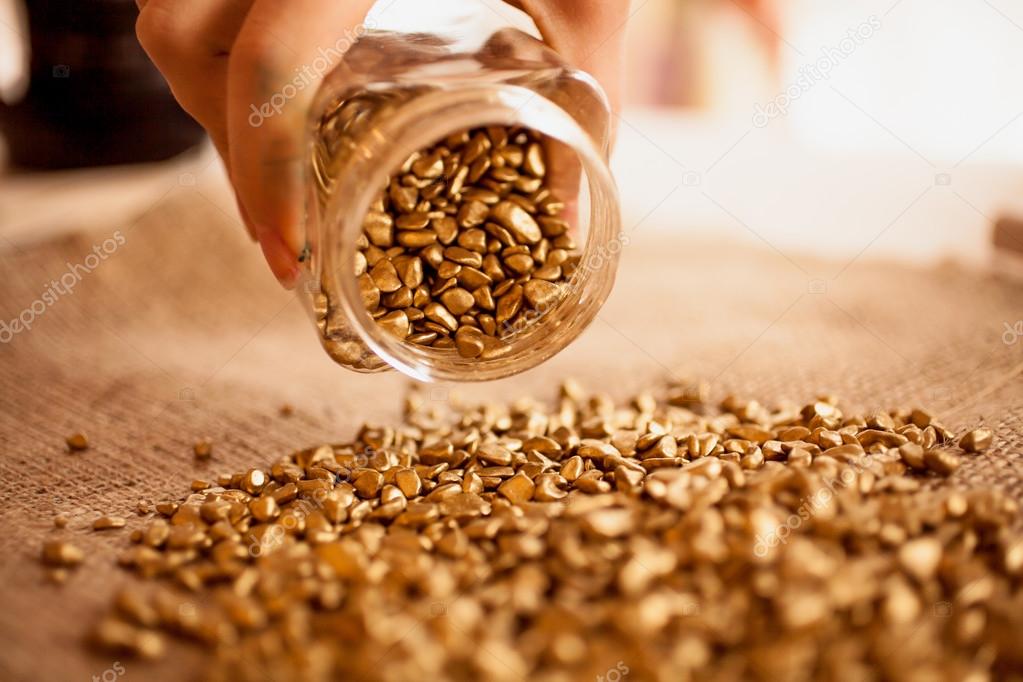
x=467 y=245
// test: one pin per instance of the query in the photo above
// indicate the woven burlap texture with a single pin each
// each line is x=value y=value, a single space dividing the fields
x=180 y=334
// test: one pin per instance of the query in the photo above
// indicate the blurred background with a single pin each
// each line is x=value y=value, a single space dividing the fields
x=814 y=127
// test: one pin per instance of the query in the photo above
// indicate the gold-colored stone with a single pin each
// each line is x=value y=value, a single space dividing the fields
x=977 y=440
x=609 y=522
x=509 y=304
x=469 y=342
x=572 y=468
x=413 y=221
x=920 y=557
x=385 y=276
x=253 y=481
x=108 y=523
x=116 y=635
x=492 y=525
x=439 y=314
x=368 y=483
x=534 y=162
x=379 y=228
x=264 y=509
x=517 y=489
x=458 y=301
x=396 y=322
x=417 y=239
x=368 y=291
x=59 y=553
x=404 y=198
x=472 y=213
x=410 y=271
x=515 y=219
x=540 y=294
x=408 y=482
x=913 y=455
x=941 y=461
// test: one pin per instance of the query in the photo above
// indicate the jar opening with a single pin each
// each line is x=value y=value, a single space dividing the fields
x=417 y=125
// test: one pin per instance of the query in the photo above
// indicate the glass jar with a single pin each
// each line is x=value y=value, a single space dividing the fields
x=397 y=92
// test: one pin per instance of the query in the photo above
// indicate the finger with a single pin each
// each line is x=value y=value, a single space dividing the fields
x=565 y=172
x=276 y=64
x=563 y=168
x=189 y=41
x=589 y=34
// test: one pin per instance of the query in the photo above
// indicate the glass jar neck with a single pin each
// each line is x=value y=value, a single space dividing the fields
x=416 y=124
x=465 y=24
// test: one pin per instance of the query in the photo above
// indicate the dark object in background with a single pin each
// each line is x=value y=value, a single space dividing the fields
x=1007 y=238
x=94 y=98
x=1008 y=235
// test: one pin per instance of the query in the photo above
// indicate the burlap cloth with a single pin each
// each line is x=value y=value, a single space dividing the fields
x=180 y=334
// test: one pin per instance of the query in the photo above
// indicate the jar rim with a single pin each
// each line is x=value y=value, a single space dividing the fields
x=419 y=124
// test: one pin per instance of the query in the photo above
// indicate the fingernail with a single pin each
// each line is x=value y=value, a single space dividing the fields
x=283 y=262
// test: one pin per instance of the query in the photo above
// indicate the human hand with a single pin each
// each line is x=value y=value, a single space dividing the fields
x=222 y=57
